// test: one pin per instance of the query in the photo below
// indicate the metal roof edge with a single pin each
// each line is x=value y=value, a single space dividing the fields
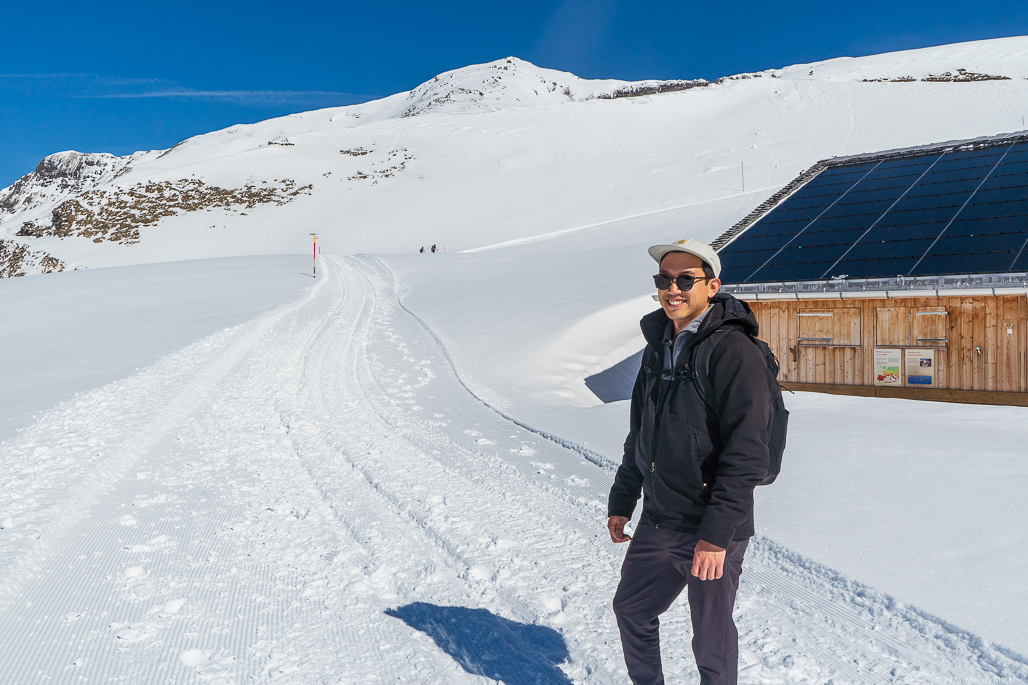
x=882 y=294
x=766 y=206
x=984 y=141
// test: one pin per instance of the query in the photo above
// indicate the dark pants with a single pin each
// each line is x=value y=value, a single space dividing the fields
x=657 y=568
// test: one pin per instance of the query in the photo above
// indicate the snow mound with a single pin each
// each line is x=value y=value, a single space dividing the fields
x=998 y=59
x=513 y=82
x=509 y=82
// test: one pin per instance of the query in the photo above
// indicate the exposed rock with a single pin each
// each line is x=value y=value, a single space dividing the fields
x=18 y=260
x=962 y=76
x=58 y=177
x=394 y=163
x=634 y=90
x=117 y=214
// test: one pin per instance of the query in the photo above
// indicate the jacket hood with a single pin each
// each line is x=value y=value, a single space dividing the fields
x=725 y=310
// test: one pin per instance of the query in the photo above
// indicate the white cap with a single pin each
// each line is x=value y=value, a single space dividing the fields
x=690 y=246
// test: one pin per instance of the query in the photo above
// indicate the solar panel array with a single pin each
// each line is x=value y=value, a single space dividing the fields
x=950 y=212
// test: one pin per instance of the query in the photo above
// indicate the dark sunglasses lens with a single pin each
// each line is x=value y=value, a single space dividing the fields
x=684 y=282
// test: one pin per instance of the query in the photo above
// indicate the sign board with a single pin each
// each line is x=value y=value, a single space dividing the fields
x=887 y=367
x=920 y=368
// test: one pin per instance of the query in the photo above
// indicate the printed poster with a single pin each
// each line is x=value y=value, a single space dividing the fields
x=887 y=367
x=920 y=368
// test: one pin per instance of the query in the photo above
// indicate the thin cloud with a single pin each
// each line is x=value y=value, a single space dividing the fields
x=94 y=86
x=243 y=96
x=42 y=76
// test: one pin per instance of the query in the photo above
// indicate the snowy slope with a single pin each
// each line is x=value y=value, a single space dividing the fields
x=339 y=419
x=314 y=496
x=506 y=151
x=77 y=331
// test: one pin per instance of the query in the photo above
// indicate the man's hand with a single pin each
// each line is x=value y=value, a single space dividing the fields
x=708 y=561
x=616 y=527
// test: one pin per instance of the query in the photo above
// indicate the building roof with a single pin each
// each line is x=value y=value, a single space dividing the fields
x=956 y=209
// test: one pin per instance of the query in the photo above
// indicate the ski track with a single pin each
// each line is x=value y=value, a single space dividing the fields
x=250 y=507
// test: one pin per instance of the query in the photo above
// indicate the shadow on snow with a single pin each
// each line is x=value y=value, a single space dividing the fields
x=485 y=644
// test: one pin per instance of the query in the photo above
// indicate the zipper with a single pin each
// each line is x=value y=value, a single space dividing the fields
x=662 y=398
x=653 y=479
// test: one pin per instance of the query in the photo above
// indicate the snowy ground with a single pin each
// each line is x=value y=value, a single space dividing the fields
x=76 y=331
x=315 y=496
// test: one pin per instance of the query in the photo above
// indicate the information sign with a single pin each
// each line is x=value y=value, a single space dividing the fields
x=920 y=368
x=887 y=367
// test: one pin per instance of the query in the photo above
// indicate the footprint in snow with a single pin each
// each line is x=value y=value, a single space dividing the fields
x=194 y=657
x=134 y=572
x=135 y=633
x=153 y=544
x=168 y=608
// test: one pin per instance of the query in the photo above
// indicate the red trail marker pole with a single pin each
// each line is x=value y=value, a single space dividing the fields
x=314 y=256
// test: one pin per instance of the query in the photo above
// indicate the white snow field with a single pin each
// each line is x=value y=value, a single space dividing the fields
x=314 y=496
x=77 y=331
x=222 y=470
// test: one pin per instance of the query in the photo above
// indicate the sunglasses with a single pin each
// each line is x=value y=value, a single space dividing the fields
x=685 y=281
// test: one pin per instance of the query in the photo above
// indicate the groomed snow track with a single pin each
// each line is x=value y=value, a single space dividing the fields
x=315 y=497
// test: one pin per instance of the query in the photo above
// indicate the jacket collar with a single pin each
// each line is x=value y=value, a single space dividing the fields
x=654 y=324
x=724 y=310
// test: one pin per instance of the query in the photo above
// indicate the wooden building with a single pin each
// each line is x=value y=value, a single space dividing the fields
x=900 y=274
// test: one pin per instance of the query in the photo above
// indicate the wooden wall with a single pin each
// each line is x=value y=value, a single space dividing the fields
x=981 y=343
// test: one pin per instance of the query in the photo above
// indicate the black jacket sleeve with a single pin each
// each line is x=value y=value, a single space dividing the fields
x=742 y=399
x=628 y=481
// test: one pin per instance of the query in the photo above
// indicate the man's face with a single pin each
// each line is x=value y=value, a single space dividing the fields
x=682 y=307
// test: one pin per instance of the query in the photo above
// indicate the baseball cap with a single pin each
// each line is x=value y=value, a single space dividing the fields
x=691 y=246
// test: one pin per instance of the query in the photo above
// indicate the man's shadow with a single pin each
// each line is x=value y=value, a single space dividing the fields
x=485 y=644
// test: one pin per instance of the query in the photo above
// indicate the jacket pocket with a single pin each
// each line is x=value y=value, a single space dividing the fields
x=689 y=446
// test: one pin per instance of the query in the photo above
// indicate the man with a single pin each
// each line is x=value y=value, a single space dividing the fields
x=696 y=465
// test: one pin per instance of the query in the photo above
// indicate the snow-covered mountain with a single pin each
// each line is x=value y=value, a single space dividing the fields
x=227 y=469
x=501 y=152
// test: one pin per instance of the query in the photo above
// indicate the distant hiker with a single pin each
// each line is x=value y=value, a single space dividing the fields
x=695 y=458
x=422 y=249
x=433 y=249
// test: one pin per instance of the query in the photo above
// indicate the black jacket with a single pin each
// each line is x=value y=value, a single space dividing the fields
x=697 y=465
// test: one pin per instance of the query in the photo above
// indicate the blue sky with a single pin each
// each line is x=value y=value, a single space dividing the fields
x=124 y=76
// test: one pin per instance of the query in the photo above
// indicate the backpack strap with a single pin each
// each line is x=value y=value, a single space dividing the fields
x=700 y=364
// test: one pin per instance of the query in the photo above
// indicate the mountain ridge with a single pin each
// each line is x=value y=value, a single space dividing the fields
x=503 y=151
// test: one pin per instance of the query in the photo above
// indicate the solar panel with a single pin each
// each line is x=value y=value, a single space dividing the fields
x=936 y=213
x=1021 y=262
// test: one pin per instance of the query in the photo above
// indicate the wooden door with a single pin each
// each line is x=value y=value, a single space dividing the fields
x=893 y=327
x=930 y=328
x=828 y=346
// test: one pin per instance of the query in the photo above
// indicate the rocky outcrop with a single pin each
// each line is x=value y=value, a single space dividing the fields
x=56 y=178
x=117 y=214
x=962 y=76
x=18 y=260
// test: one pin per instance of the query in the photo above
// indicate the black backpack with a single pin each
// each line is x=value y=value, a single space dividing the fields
x=779 y=415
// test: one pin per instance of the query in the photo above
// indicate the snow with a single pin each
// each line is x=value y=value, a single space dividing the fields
x=73 y=332
x=490 y=156
x=230 y=471
x=922 y=498
x=317 y=477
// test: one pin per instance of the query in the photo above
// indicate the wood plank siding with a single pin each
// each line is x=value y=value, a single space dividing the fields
x=980 y=343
